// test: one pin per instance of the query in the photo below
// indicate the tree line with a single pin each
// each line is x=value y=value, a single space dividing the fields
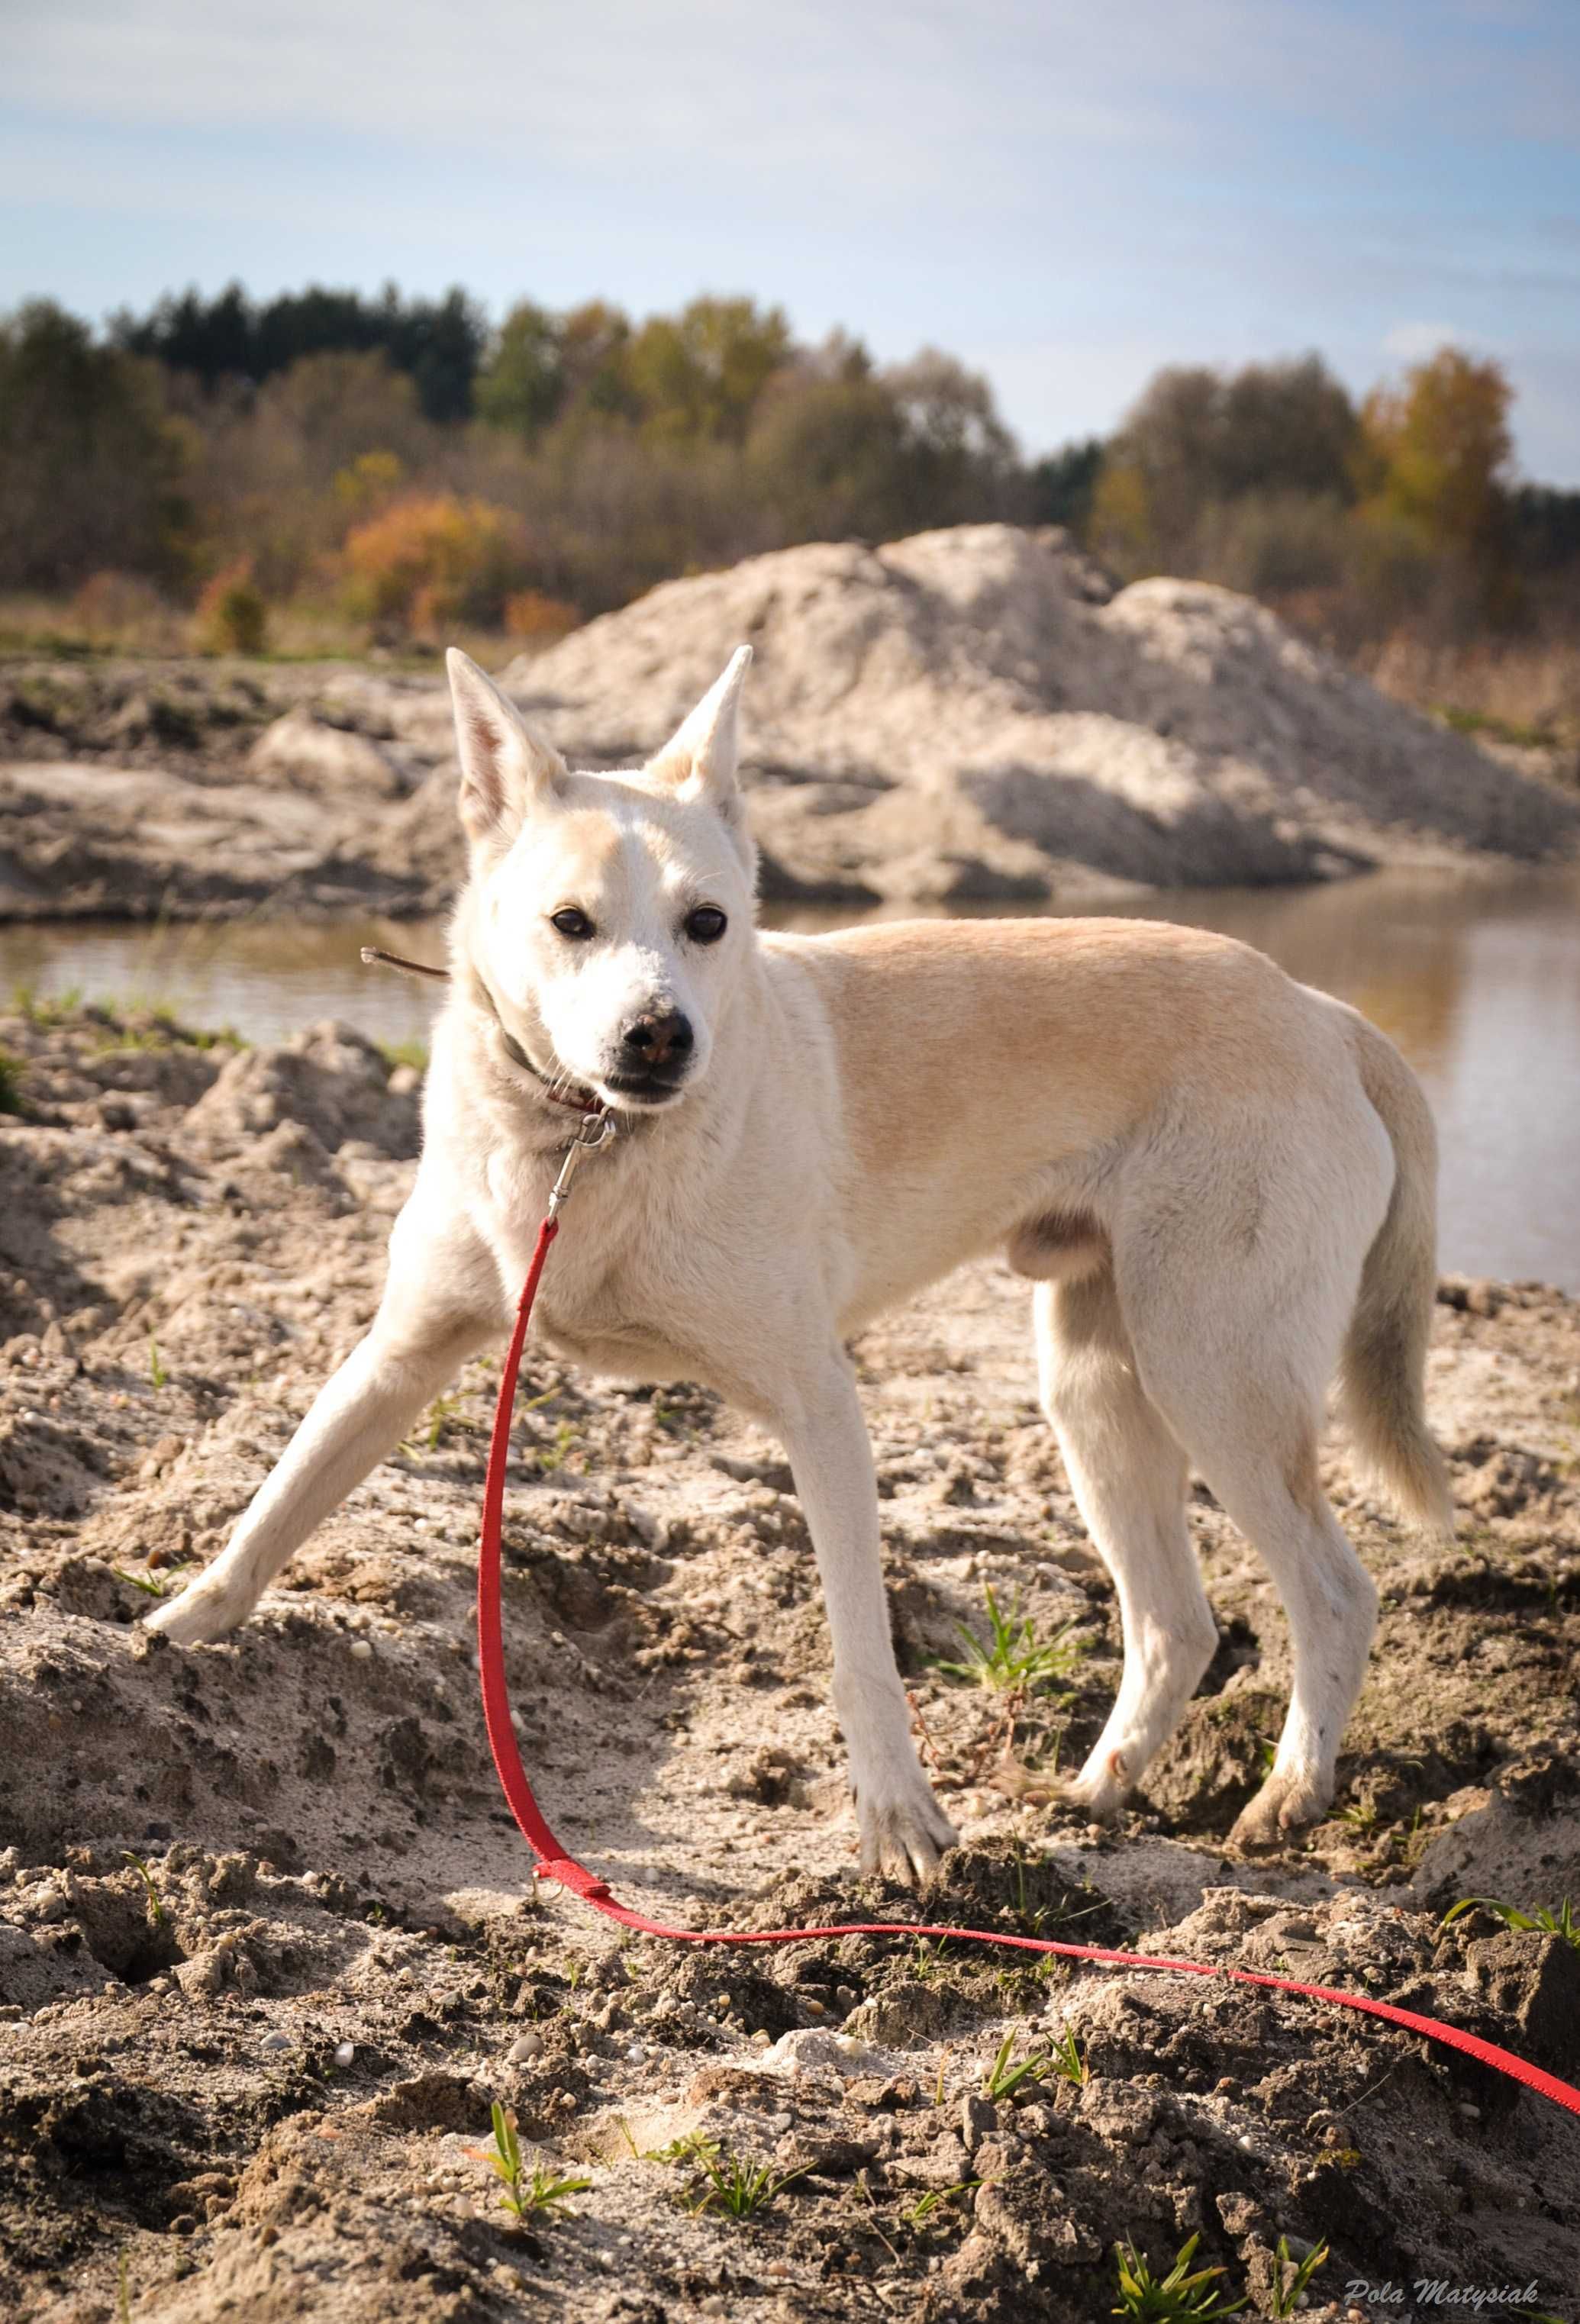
x=402 y=466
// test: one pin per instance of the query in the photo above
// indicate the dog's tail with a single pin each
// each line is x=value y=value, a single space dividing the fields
x=1382 y=1371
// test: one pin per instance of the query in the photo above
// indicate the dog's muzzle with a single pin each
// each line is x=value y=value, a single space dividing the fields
x=656 y=1052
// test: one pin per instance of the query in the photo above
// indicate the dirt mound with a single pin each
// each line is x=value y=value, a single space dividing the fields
x=268 y=1947
x=967 y=716
x=970 y=714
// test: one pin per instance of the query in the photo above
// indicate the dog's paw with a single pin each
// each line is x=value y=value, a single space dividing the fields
x=201 y=1613
x=1285 y=1806
x=903 y=1830
x=1101 y=1789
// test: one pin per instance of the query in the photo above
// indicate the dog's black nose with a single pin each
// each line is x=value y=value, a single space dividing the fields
x=653 y=1041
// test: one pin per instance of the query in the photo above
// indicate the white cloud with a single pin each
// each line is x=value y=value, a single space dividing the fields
x=1411 y=343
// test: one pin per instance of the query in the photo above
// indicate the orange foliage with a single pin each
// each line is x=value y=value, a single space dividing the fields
x=430 y=560
x=232 y=616
x=540 y=620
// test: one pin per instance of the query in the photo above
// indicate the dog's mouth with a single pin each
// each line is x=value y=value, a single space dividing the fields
x=649 y=1091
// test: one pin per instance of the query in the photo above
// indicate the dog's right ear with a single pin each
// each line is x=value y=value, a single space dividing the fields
x=504 y=768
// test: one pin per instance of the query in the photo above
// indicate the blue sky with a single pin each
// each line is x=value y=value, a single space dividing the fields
x=1066 y=195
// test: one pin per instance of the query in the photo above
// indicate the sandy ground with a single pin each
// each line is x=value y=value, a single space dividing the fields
x=268 y=1944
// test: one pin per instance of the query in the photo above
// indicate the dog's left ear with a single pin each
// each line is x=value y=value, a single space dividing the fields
x=699 y=760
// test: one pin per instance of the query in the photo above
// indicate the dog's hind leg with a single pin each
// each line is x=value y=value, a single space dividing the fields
x=1239 y=1381
x=1128 y=1475
x=423 y=1332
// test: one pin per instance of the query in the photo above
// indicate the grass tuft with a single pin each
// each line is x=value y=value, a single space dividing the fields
x=722 y=2180
x=1539 y=1919
x=1183 y=2296
x=1292 y=2277
x=543 y=2196
x=1012 y=1659
x=155 y=1908
x=45 y=1008
x=919 y=2218
x=1003 y=2080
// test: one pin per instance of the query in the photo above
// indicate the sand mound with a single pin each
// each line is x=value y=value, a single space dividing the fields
x=972 y=714
x=969 y=716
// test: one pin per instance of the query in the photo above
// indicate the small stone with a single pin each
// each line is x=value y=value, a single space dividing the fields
x=525 y=2047
x=273 y=2045
x=361 y=1651
x=978 y=2120
x=344 y=2052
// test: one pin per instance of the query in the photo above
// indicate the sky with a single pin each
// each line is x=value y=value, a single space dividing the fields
x=1067 y=195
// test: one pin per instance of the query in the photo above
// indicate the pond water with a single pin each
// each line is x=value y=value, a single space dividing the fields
x=1477 y=982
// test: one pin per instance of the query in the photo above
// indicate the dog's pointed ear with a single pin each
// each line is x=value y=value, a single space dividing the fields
x=700 y=758
x=504 y=767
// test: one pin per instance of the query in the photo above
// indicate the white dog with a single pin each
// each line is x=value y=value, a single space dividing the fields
x=1221 y=1182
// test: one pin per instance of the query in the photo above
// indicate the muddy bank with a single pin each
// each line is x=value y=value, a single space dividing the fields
x=969 y=716
x=268 y=1950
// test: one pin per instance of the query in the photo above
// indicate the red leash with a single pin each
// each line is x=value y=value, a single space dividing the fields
x=555 y=1864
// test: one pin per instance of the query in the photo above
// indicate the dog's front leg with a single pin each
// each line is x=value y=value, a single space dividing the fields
x=903 y=1830
x=420 y=1337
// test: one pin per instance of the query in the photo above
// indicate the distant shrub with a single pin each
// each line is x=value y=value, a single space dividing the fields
x=537 y=619
x=368 y=482
x=1268 y=544
x=430 y=560
x=118 y=606
x=232 y=614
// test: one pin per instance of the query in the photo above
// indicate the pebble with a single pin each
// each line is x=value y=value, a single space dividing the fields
x=361 y=1650
x=525 y=2047
x=344 y=2052
x=638 y=2052
x=272 y=2043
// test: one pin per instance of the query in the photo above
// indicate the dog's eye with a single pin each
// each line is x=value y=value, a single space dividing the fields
x=572 y=923
x=706 y=925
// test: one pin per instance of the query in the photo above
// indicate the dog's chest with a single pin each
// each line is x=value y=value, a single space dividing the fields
x=603 y=1320
x=607 y=1301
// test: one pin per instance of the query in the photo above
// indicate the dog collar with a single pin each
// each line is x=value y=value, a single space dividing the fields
x=582 y=1101
x=576 y=1101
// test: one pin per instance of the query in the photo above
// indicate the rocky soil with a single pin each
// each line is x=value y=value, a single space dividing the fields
x=972 y=715
x=268 y=1946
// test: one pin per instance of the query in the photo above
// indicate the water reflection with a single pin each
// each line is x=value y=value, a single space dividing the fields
x=1478 y=982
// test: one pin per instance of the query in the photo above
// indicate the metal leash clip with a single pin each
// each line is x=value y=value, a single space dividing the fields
x=595 y=1133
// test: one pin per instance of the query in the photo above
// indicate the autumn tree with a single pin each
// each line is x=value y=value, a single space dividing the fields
x=1199 y=439
x=698 y=374
x=92 y=466
x=522 y=384
x=1436 y=452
